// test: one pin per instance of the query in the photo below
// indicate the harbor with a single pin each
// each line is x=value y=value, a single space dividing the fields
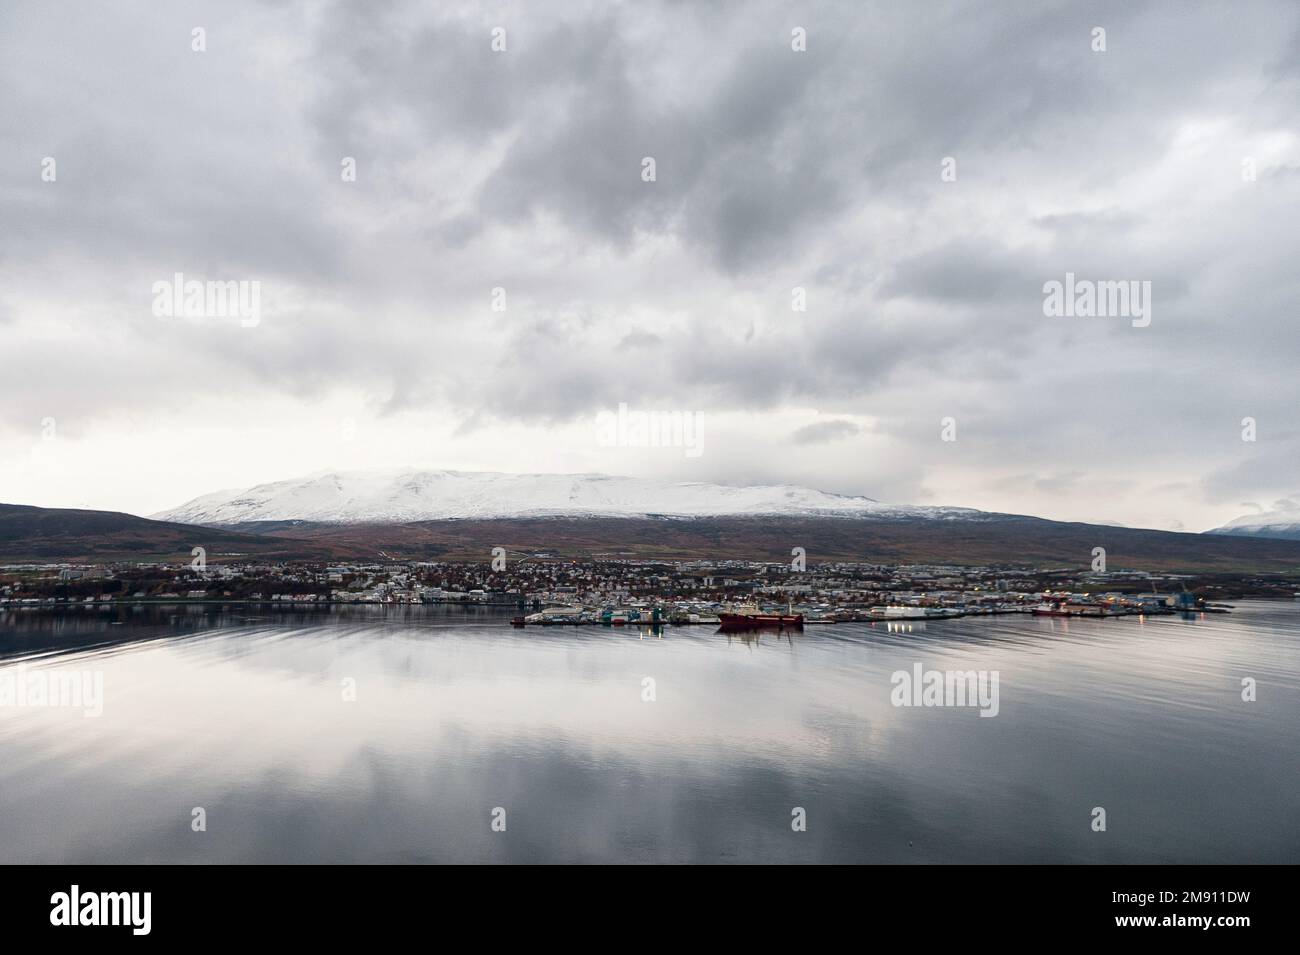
x=628 y=592
x=791 y=617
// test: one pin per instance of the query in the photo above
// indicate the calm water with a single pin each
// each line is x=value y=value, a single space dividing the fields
x=241 y=711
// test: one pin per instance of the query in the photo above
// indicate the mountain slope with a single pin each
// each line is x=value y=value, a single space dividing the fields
x=993 y=539
x=39 y=534
x=398 y=497
x=1281 y=523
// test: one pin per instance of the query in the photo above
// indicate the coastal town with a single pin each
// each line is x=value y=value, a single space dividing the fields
x=545 y=591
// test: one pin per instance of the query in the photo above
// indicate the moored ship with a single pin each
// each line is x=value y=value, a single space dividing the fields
x=1052 y=609
x=750 y=617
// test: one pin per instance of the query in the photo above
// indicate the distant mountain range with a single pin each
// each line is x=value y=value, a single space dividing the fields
x=1281 y=523
x=434 y=515
x=400 y=497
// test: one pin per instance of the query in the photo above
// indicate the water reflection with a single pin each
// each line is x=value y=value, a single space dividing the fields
x=242 y=711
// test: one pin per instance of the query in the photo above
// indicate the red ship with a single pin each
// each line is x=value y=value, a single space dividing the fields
x=751 y=618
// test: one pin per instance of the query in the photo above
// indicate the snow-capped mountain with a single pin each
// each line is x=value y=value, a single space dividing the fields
x=391 y=497
x=1282 y=522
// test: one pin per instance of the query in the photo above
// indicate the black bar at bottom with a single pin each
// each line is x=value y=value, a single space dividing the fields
x=299 y=904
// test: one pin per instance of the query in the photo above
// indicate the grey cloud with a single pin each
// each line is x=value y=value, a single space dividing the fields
x=1086 y=224
x=821 y=432
x=640 y=339
x=775 y=170
x=970 y=272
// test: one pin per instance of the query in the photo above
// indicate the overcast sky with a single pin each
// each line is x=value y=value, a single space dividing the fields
x=378 y=346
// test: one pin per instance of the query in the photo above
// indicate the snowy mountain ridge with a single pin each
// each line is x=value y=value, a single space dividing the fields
x=404 y=496
x=1282 y=522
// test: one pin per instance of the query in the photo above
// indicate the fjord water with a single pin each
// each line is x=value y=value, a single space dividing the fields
x=241 y=711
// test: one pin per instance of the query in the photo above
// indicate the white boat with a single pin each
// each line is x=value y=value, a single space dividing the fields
x=896 y=611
